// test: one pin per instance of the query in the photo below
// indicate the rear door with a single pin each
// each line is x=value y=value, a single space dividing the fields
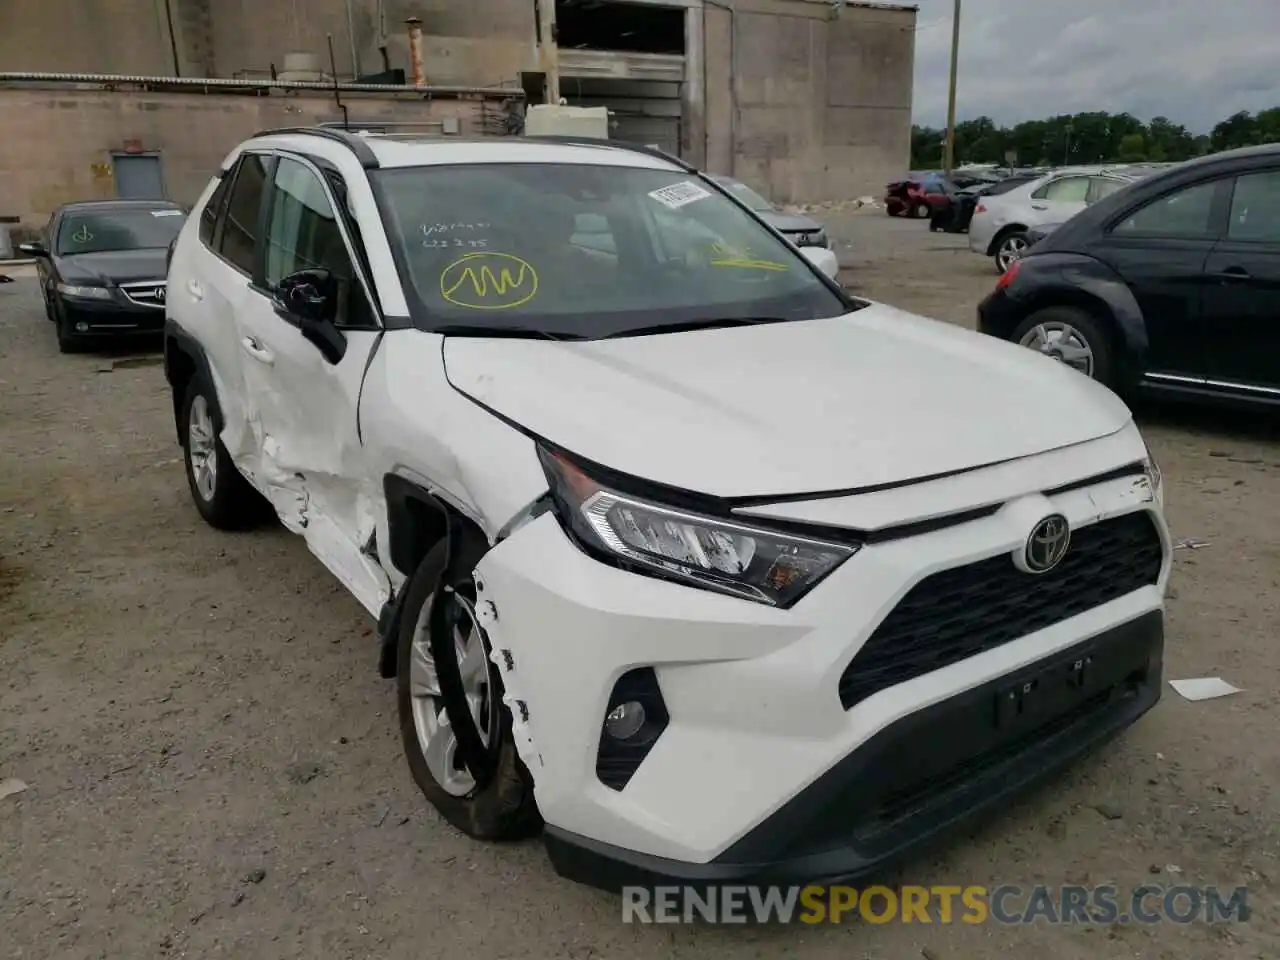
x=1242 y=289
x=1059 y=200
x=1160 y=250
x=212 y=283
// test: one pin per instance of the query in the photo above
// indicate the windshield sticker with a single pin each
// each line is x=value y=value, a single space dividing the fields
x=489 y=281
x=166 y=213
x=679 y=194
x=83 y=235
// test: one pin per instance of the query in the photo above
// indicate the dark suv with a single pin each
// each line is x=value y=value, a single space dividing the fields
x=1171 y=284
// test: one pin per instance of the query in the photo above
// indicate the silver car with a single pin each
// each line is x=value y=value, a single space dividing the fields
x=1001 y=224
x=801 y=230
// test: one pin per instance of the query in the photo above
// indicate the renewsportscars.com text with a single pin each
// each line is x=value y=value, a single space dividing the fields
x=1007 y=904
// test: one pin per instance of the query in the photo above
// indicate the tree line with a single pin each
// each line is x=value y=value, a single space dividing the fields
x=1089 y=138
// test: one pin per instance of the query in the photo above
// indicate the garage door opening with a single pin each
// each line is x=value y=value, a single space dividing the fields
x=643 y=112
x=624 y=27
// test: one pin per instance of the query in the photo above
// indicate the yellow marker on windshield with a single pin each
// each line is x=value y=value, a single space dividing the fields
x=489 y=281
x=729 y=257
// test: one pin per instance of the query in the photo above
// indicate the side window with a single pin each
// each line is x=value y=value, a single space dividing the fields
x=1186 y=213
x=303 y=234
x=1066 y=190
x=1100 y=187
x=1255 y=208
x=213 y=209
x=240 y=227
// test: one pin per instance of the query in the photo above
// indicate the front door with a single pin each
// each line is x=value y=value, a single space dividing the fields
x=307 y=407
x=1160 y=250
x=1242 y=292
x=1059 y=200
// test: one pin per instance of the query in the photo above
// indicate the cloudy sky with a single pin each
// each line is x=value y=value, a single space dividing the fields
x=1194 y=61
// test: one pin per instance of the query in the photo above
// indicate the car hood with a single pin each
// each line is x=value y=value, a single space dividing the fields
x=116 y=266
x=790 y=222
x=875 y=397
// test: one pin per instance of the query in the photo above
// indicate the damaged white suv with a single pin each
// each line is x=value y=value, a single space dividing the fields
x=675 y=547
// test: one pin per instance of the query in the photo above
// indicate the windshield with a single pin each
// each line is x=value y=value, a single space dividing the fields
x=102 y=231
x=584 y=251
x=744 y=193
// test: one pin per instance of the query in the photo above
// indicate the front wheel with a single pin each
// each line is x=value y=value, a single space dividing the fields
x=1071 y=336
x=921 y=211
x=448 y=693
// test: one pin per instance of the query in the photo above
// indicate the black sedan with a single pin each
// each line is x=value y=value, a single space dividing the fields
x=102 y=268
x=1169 y=285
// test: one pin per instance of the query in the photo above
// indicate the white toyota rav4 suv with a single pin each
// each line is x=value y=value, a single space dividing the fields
x=676 y=549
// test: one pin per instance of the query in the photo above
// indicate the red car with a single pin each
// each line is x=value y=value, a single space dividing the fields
x=917 y=196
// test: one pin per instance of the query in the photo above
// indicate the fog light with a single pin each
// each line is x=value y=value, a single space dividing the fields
x=625 y=720
x=82 y=327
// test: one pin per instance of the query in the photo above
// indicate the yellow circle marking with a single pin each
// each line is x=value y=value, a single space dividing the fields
x=489 y=281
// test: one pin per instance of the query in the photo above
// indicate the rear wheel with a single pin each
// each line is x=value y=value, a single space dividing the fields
x=494 y=801
x=1071 y=336
x=1011 y=247
x=920 y=211
x=223 y=496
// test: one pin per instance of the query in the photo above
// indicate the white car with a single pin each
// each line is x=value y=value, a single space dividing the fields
x=1001 y=223
x=715 y=571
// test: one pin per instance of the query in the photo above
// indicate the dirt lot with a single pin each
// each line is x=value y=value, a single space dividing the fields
x=213 y=768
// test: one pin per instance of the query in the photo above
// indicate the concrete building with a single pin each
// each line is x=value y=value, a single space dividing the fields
x=804 y=99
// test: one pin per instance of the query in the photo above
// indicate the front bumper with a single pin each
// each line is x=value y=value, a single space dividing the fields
x=110 y=318
x=753 y=694
x=916 y=780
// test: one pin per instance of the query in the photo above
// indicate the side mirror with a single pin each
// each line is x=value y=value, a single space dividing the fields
x=33 y=249
x=822 y=258
x=309 y=299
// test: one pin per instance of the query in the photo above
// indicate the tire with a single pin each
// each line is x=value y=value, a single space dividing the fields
x=1012 y=245
x=1085 y=328
x=48 y=305
x=229 y=502
x=502 y=808
x=920 y=211
x=894 y=211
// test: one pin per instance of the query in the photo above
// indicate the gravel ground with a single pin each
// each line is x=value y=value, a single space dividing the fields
x=213 y=768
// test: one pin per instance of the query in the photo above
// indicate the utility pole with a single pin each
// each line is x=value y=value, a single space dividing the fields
x=950 y=161
x=548 y=51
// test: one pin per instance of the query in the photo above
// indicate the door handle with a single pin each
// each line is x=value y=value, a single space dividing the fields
x=196 y=291
x=1233 y=273
x=1039 y=206
x=254 y=348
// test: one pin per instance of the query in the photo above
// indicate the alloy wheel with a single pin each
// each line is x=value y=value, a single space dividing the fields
x=201 y=448
x=436 y=736
x=1010 y=250
x=1062 y=342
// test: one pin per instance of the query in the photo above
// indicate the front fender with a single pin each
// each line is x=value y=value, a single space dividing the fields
x=1073 y=279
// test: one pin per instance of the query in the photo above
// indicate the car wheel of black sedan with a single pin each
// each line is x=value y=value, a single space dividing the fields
x=1072 y=336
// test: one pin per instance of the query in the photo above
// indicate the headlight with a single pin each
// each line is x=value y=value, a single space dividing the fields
x=84 y=293
x=710 y=552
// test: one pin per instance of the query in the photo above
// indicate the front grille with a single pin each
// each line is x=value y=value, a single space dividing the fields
x=148 y=294
x=957 y=614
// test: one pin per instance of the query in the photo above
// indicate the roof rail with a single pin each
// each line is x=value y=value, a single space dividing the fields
x=615 y=144
x=352 y=141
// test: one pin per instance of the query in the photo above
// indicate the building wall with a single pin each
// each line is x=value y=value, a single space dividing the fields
x=58 y=143
x=807 y=102
x=476 y=42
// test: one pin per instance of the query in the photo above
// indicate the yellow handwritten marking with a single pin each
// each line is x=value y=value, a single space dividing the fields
x=750 y=264
x=489 y=281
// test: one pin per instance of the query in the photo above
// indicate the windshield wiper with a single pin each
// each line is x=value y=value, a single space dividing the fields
x=519 y=333
x=708 y=323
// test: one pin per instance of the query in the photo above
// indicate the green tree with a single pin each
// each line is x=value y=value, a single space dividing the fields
x=1133 y=148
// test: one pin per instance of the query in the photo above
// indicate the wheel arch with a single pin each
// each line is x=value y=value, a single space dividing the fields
x=1000 y=234
x=417 y=520
x=1086 y=284
x=184 y=359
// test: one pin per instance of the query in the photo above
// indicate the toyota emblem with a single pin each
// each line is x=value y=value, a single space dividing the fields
x=1047 y=544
